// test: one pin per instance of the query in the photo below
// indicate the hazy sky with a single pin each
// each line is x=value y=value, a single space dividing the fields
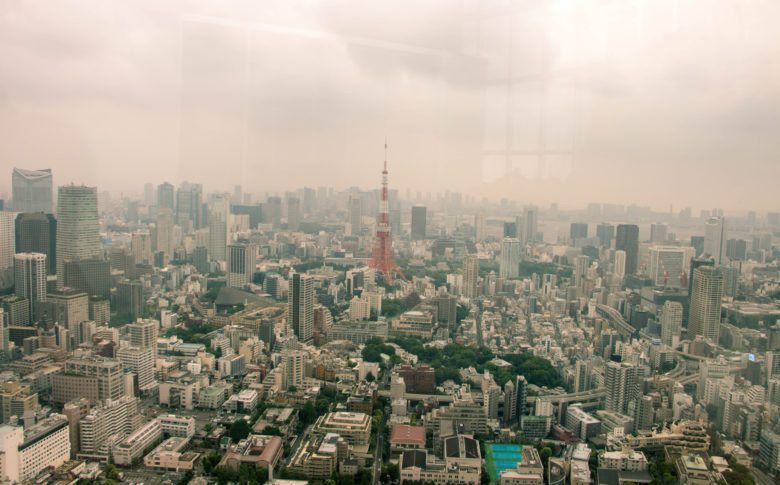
x=656 y=102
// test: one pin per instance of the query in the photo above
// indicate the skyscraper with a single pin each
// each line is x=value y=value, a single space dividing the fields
x=658 y=233
x=671 y=323
x=165 y=232
x=581 y=376
x=300 y=306
x=165 y=196
x=419 y=222
x=581 y=265
x=242 y=260
x=479 y=227
x=30 y=280
x=293 y=213
x=510 y=402
x=355 y=215
x=578 y=230
x=667 y=265
x=510 y=258
x=622 y=386
x=32 y=190
x=606 y=233
x=129 y=299
x=78 y=229
x=189 y=200
x=141 y=246
x=620 y=264
x=530 y=225
x=218 y=227
x=716 y=239
x=704 y=314
x=273 y=212
x=143 y=334
x=92 y=276
x=37 y=233
x=470 y=275
x=7 y=249
x=627 y=239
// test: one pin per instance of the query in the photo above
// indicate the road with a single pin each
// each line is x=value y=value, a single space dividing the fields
x=377 y=468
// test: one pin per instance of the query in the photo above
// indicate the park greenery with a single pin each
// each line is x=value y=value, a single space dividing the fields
x=196 y=334
x=448 y=361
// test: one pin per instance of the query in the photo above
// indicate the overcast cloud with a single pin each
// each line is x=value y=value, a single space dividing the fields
x=655 y=102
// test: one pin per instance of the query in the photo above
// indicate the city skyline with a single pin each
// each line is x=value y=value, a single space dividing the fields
x=280 y=94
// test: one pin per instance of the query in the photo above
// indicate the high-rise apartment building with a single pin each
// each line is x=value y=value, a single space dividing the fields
x=470 y=275
x=671 y=323
x=419 y=222
x=78 y=229
x=300 y=306
x=242 y=262
x=510 y=258
x=32 y=190
x=30 y=280
x=622 y=386
x=707 y=292
x=37 y=233
x=627 y=239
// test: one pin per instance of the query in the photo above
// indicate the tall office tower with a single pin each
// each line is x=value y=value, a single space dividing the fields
x=736 y=249
x=78 y=228
x=141 y=362
x=510 y=229
x=697 y=243
x=242 y=262
x=32 y=190
x=273 y=212
x=238 y=195
x=7 y=249
x=30 y=280
x=470 y=275
x=658 y=233
x=200 y=259
x=627 y=239
x=165 y=196
x=129 y=299
x=510 y=258
x=715 y=239
x=419 y=222
x=578 y=230
x=521 y=387
x=479 y=227
x=619 y=268
x=68 y=307
x=92 y=276
x=606 y=233
x=141 y=246
x=530 y=225
x=293 y=214
x=189 y=200
x=300 y=306
x=668 y=264
x=671 y=323
x=581 y=376
x=704 y=314
x=37 y=233
x=622 y=386
x=149 y=195
x=355 y=214
x=581 y=265
x=165 y=232
x=510 y=403
x=696 y=263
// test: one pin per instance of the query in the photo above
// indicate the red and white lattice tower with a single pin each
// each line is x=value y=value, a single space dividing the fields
x=382 y=257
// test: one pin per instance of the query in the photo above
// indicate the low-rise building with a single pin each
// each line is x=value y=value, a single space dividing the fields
x=405 y=437
x=353 y=427
x=243 y=402
x=260 y=451
x=177 y=426
x=170 y=455
x=420 y=466
x=319 y=457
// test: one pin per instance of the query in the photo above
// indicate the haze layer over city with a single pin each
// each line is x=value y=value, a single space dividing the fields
x=472 y=242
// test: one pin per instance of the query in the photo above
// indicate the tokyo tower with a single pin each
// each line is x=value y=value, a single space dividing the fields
x=382 y=258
